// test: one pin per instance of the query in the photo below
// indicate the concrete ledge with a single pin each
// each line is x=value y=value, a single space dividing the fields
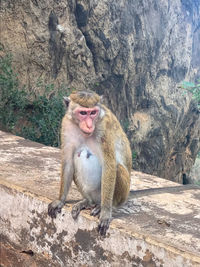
x=158 y=226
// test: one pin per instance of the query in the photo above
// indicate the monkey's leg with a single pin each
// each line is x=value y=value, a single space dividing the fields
x=81 y=205
x=122 y=186
x=107 y=189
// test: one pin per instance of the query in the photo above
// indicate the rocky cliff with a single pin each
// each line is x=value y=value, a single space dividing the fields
x=135 y=53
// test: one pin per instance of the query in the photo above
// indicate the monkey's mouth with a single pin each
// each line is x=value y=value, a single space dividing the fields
x=87 y=134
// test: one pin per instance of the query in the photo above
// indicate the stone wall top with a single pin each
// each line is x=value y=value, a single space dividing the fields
x=159 y=224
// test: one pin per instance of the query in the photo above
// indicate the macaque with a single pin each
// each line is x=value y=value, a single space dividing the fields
x=96 y=154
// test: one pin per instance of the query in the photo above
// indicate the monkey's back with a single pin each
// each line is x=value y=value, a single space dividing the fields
x=116 y=134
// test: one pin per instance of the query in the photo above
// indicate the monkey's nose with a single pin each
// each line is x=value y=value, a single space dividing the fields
x=89 y=123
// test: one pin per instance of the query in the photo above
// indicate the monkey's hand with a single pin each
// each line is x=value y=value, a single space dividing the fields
x=104 y=222
x=55 y=207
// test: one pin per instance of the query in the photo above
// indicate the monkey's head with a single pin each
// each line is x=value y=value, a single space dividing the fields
x=84 y=108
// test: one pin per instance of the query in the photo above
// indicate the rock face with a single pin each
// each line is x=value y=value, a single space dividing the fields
x=135 y=53
x=194 y=175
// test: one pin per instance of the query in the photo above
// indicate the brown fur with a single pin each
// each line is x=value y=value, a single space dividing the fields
x=86 y=99
x=122 y=185
x=116 y=178
x=115 y=156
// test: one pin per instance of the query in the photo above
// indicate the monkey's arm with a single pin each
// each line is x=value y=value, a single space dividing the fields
x=107 y=186
x=67 y=171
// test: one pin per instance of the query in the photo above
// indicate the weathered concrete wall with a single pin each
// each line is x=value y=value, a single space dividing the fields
x=158 y=226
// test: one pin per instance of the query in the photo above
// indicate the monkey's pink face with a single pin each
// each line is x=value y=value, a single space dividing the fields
x=87 y=118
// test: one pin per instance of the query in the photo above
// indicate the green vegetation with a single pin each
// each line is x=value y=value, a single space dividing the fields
x=34 y=116
x=125 y=125
x=134 y=156
x=197 y=183
x=194 y=89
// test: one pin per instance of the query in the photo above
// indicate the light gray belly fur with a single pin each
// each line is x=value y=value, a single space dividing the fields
x=88 y=173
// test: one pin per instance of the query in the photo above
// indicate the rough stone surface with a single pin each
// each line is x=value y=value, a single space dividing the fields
x=194 y=174
x=158 y=226
x=135 y=53
x=11 y=256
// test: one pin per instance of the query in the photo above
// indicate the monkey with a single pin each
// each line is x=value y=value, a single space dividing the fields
x=96 y=155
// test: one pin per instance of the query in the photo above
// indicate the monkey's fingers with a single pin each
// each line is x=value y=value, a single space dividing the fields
x=103 y=226
x=96 y=210
x=54 y=208
x=53 y=211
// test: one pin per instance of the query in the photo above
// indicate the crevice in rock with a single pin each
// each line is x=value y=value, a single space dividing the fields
x=81 y=16
x=56 y=45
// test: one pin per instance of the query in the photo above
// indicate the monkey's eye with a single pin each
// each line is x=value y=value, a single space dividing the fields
x=93 y=112
x=83 y=112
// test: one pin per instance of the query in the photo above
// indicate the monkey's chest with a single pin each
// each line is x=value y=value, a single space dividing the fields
x=88 y=171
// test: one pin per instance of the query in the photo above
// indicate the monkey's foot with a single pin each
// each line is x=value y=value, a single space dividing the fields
x=54 y=208
x=81 y=205
x=104 y=221
x=96 y=210
x=103 y=226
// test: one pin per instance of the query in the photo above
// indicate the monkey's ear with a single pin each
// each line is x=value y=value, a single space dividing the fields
x=101 y=99
x=66 y=101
